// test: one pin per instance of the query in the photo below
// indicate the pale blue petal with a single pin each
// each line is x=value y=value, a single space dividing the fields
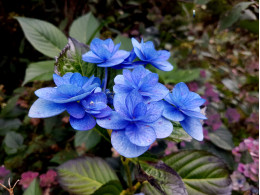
x=139 y=74
x=162 y=65
x=111 y=62
x=75 y=109
x=172 y=113
x=162 y=127
x=136 y=43
x=92 y=58
x=122 y=54
x=83 y=124
x=69 y=90
x=113 y=121
x=132 y=99
x=140 y=135
x=124 y=147
x=115 y=49
x=163 y=55
x=193 y=103
x=193 y=114
x=140 y=111
x=43 y=109
x=148 y=50
x=179 y=93
x=77 y=80
x=122 y=88
x=154 y=111
x=103 y=113
x=120 y=106
x=109 y=45
x=149 y=80
x=119 y=79
x=193 y=127
x=99 y=48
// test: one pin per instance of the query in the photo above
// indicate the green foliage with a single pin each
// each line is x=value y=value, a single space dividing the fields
x=33 y=189
x=85 y=175
x=88 y=138
x=110 y=188
x=250 y=25
x=126 y=43
x=63 y=156
x=201 y=172
x=9 y=124
x=222 y=138
x=39 y=71
x=13 y=142
x=85 y=28
x=44 y=37
x=178 y=134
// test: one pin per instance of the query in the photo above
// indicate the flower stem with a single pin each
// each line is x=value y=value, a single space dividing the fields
x=125 y=162
x=105 y=83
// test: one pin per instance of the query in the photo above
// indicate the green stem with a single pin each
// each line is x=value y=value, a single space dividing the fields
x=125 y=162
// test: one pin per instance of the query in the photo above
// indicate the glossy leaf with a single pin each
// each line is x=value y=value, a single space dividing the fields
x=110 y=188
x=85 y=175
x=222 y=138
x=33 y=189
x=84 y=28
x=88 y=138
x=202 y=172
x=126 y=43
x=39 y=71
x=178 y=134
x=44 y=36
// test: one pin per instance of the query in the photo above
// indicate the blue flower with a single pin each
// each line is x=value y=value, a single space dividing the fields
x=147 y=54
x=184 y=106
x=142 y=80
x=135 y=125
x=105 y=53
x=71 y=88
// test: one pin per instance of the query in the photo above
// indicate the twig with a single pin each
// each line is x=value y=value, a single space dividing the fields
x=10 y=189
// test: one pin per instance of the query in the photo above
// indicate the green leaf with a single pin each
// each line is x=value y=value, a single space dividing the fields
x=44 y=36
x=13 y=140
x=202 y=172
x=85 y=175
x=9 y=124
x=178 y=134
x=250 y=25
x=233 y=15
x=201 y=2
x=11 y=103
x=89 y=138
x=222 y=138
x=39 y=71
x=126 y=43
x=110 y=188
x=33 y=189
x=63 y=156
x=162 y=179
x=85 y=28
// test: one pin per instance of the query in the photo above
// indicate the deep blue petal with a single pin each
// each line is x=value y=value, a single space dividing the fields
x=69 y=90
x=124 y=147
x=154 y=111
x=42 y=109
x=111 y=62
x=90 y=88
x=128 y=78
x=122 y=89
x=148 y=50
x=120 y=106
x=172 y=113
x=139 y=73
x=103 y=113
x=91 y=57
x=96 y=97
x=162 y=127
x=99 y=48
x=162 y=65
x=193 y=127
x=156 y=92
x=140 y=135
x=132 y=100
x=77 y=80
x=140 y=111
x=58 y=80
x=149 y=80
x=113 y=121
x=83 y=124
x=120 y=54
x=75 y=109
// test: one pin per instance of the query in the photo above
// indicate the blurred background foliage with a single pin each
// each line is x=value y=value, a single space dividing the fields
x=215 y=52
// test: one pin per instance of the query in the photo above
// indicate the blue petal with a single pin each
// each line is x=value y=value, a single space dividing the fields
x=139 y=73
x=154 y=111
x=148 y=50
x=193 y=103
x=85 y=123
x=113 y=121
x=90 y=88
x=163 y=55
x=193 y=127
x=77 y=79
x=172 y=113
x=119 y=79
x=99 y=48
x=42 y=109
x=96 y=97
x=162 y=127
x=140 y=135
x=131 y=101
x=124 y=147
x=140 y=111
x=162 y=65
x=109 y=44
x=75 y=110
x=111 y=62
x=156 y=93
x=193 y=114
x=62 y=80
x=135 y=43
x=69 y=90
x=103 y=113
x=120 y=106
x=149 y=80
x=122 y=89
x=128 y=78
x=179 y=93
x=115 y=49
x=91 y=57
x=122 y=54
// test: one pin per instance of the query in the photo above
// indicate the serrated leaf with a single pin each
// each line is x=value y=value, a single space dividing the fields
x=9 y=124
x=11 y=103
x=84 y=176
x=89 y=138
x=33 y=189
x=63 y=156
x=202 y=172
x=162 y=178
x=39 y=71
x=44 y=36
x=222 y=138
x=126 y=43
x=178 y=134
x=233 y=15
x=110 y=188
x=13 y=140
x=85 y=28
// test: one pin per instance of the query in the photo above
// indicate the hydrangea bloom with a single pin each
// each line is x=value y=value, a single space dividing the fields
x=71 y=88
x=135 y=125
x=27 y=178
x=48 y=179
x=105 y=53
x=147 y=54
x=129 y=62
x=184 y=106
x=142 y=80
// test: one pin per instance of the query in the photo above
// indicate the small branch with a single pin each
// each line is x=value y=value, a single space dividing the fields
x=10 y=189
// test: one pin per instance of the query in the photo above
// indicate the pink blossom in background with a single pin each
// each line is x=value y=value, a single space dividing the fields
x=114 y=153
x=171 y=147
x=214 y=121
x=153 y=144
x=48 y=179
x=203 y=73
x=210 y=95
x=27 y=178
x=239 y=182
x=206 y=134
x=232 y=115
x=3 y=173
x=193 y=86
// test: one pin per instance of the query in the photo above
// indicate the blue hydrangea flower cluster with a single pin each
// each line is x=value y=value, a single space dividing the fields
x=143 y=108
